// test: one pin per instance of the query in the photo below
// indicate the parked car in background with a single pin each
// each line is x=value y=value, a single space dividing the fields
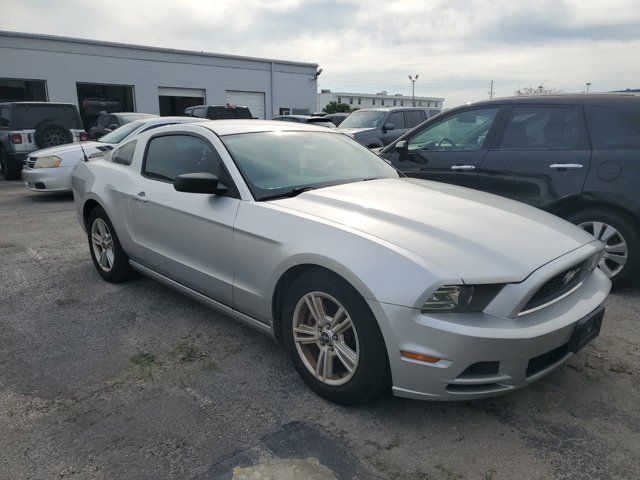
x=577 y=156
x=49 y=170
x=29 y=126
x=287 y=228
x=218 y=112
x=336 y=118
x=109 y=122
x=320 y=121
x=378 y=127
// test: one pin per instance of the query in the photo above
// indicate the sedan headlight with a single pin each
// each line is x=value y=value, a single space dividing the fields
x=461 y=298
x=50 y=161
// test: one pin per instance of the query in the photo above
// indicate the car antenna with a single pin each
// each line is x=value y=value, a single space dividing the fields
x=84 y=154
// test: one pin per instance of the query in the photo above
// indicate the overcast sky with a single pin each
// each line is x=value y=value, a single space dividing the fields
x=457 y=47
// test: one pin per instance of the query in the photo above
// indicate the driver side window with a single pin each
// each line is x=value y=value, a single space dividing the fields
x=466 y=130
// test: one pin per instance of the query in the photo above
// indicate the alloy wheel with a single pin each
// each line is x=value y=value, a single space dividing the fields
x=326 y=338
x=102 y=244
x=54 y=137
x=616 y=251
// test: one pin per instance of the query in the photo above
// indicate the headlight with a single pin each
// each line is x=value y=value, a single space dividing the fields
x=50 y=161
x=461 y=298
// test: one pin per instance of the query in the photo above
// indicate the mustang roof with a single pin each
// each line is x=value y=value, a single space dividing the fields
x=232 y=127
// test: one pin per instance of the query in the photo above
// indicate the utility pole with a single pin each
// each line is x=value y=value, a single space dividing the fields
x=588 y=85
x=491 y=90
x=413 y=89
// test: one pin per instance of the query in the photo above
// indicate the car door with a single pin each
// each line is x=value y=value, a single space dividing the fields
x=449 y=150
x=541 y=155
x=187 y=237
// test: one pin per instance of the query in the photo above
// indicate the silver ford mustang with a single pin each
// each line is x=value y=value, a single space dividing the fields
x=369 y=280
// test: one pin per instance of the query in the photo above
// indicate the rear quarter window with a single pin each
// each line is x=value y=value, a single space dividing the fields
x=124 y=154
x=612 y=129
x=30 y=116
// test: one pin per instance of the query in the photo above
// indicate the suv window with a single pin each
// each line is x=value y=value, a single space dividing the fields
x=611 y=129
x=124 y=154
x=4 y=117
x=413 y=118
x=397 y=118
x=557 y=128
x=466 y=130
x=30 y=116
x=188 y=112
x=200 y=112
x=171 y=155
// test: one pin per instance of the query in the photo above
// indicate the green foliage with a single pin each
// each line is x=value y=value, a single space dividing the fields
x=539 y=90
x=335 y=107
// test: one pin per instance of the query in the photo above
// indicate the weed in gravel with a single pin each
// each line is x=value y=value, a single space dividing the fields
x=144 y=361
x=186 y=351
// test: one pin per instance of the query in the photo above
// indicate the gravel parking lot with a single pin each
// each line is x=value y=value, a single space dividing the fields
x=137 y=381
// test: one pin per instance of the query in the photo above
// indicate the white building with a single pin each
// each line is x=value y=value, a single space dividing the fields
x=149 y=79
x=382 y=99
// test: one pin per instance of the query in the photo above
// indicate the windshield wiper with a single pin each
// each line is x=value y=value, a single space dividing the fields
x=294 y=192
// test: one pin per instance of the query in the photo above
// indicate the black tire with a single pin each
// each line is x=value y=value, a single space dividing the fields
x=51 y=134
x=120 y=270
x=628 y=227
x=8 y=167
x=372 y=375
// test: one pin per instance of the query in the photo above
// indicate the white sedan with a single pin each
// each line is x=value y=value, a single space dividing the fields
x=49 y=169
x=368 y=279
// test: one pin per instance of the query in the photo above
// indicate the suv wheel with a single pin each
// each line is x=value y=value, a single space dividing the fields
x=333 y=339
x=8 y=168
x=106 y=252
x=619 y=233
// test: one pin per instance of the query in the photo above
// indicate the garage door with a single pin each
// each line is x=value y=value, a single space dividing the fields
x=253 y=100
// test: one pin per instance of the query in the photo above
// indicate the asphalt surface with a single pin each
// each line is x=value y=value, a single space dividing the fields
x=136 y=381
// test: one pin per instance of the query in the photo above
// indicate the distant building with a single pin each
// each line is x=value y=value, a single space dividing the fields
x=381 y=99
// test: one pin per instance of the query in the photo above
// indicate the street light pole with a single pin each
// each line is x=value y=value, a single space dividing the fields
x=588 y=85
x=413 y=89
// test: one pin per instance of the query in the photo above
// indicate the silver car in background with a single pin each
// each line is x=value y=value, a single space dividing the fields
x=369 y=280
x=49 y=169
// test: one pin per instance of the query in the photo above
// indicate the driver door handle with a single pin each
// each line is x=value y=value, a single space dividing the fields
x=565 y=166
x=463 y=167
x=141 y=197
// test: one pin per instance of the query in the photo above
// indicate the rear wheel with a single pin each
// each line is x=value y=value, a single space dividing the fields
x=8 y=167
x=333 y=339
x=619 y=233
x=106 y=252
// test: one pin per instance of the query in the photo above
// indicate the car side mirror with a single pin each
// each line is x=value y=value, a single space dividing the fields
x=113 y=126
x=389 y=126
x=201 y=182
x=402 y=146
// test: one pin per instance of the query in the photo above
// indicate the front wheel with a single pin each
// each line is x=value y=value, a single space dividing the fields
x=333 y=339
x=619 y=233
x=8 y=167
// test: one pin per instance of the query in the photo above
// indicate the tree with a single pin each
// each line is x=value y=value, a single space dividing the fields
x=335 y=107
x=539 y=90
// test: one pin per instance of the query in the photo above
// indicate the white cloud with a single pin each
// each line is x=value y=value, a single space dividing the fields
x=457 y=47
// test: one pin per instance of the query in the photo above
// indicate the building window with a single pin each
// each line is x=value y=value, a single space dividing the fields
x=402 y=103
x=382 y=102
x=351 y=101
x=373 y=102
x=339 y=99
x=394 y=103
x=359 y=101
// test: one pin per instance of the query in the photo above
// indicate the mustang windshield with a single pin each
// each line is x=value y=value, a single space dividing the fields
x=276 y=164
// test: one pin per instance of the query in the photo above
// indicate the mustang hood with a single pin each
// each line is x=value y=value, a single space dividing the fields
x=474 y=235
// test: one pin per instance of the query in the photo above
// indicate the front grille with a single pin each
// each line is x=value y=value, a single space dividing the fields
x=558 y=286
x=31 y=161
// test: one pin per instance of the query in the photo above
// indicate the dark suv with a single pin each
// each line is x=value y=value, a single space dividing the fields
x=29 y=126
x=218 y=112
x=377 y=127
x=577 y=156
